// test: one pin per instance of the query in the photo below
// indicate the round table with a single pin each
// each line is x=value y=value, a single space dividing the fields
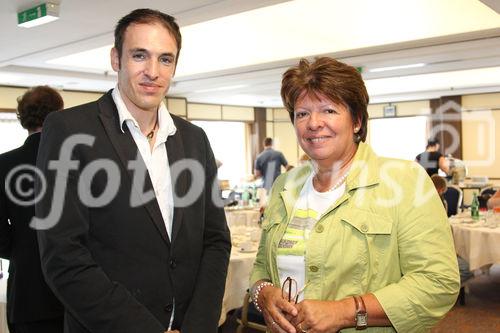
x=477 y=244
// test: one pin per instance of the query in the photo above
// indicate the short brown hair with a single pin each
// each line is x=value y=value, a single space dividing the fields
x=147 y=16
x=439 y=183
x=36 y=104
x=339 y=82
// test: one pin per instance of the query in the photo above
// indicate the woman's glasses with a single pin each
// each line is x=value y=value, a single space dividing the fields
x=290 y=291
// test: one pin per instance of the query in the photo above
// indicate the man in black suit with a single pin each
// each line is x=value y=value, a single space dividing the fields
x=131 y=237
x=31 y=305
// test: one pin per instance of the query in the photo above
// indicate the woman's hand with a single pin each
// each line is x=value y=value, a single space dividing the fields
x=321 y=316
x=276 y=310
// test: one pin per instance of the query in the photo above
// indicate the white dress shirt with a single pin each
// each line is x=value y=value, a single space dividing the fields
x=156 y=160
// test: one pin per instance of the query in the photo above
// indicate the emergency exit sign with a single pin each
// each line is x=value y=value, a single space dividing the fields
x=43 y=13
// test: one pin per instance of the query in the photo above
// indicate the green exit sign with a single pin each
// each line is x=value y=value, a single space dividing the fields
x=43 y=13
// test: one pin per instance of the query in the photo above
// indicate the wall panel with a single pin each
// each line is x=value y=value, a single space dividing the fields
x=239 y=113
x=285 y=141
x=481 y=142
x=204 y=111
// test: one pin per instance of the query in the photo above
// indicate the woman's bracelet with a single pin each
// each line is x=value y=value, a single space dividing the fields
x=256 y=293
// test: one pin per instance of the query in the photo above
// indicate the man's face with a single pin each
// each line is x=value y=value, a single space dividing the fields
x=146 y=67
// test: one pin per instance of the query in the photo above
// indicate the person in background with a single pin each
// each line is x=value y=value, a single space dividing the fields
x=152 y=256
x=348 y=241
x=268 y=164
x=432 y=160
x=441 y=187
x=31 y=305
x=494 y=201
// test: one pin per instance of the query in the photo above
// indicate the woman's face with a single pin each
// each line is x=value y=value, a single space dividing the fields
x=325 y=130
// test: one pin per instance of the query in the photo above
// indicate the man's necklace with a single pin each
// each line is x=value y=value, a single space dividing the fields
x=152 y=133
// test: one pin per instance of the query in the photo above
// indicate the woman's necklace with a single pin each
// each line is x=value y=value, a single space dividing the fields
x=152 y=133
x=339 y=182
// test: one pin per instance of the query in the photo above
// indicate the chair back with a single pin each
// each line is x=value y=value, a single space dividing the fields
x=453 y=197
x=248 y=317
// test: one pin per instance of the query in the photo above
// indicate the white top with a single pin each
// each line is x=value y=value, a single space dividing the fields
x=156 y=160
x=309 y=208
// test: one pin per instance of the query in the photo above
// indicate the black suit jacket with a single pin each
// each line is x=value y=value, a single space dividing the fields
x=114 y=267
x=28 y=296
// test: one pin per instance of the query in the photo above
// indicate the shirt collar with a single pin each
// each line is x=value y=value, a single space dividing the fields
x=165 y=122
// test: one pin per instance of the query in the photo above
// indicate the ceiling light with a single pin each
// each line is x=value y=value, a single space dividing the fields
x=393 y=68
x=237 y=86
x=41 y=14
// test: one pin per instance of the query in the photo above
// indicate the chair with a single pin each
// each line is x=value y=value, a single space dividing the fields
x=249 y=317
x=453 y=197
x=465 y=277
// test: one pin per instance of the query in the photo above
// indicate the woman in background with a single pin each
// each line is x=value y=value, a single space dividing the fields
x=356 y=240
x=432 y=160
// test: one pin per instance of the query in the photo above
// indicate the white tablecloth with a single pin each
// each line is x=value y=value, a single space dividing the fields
x=238 y=273
x=3 y=300
x=244 y=233
x=477 y=244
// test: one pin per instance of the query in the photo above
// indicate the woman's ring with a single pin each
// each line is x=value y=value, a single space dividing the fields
x=301 y=329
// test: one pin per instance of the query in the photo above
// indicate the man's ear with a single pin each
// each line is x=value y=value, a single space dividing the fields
x=115 y=59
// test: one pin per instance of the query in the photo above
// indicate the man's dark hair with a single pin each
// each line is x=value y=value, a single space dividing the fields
x=268 y=142
x=36 y=104
x=432 y=142
x=147 y=16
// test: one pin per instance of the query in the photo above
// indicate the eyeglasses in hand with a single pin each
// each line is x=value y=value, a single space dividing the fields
x=289 y=290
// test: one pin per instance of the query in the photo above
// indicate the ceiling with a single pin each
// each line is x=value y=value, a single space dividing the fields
x=234 y=51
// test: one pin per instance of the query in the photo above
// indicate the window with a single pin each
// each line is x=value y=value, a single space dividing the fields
x=228 y=141
x=403 y=137
x=13 y=135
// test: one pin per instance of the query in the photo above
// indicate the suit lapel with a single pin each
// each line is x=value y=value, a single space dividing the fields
x=127 y=151
x=175 y=152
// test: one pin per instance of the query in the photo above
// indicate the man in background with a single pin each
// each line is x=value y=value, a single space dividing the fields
x=152 y=256
x=31 y=305
x=268 y=164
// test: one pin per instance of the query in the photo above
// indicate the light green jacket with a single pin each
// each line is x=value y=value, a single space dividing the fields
x=388 y=235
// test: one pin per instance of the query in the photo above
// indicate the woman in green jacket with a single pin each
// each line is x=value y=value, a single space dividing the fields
x=351 y=240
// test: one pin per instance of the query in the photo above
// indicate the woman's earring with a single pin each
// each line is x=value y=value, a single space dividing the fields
x=357 y=137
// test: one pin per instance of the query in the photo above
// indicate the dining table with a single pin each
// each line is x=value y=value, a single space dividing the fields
x=237 y=280
x=245 y=236
x=477 y=240
x=3 y=304
x=242 y=216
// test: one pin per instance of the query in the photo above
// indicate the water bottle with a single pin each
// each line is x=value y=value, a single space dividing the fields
x=245 y=197
x=474 y=207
